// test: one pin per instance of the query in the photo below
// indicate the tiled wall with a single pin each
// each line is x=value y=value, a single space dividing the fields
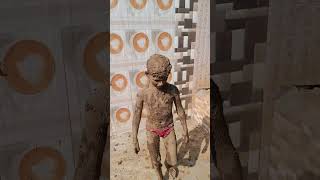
x=237 y=66
x=46 y=124
x=143 y=26
x=179 y=21
x=74 y=33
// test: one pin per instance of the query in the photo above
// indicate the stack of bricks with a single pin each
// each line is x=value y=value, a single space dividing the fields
x=202 y=54
x=201 y=108
x=186 y=13
x=201 y=77
x=237 y=66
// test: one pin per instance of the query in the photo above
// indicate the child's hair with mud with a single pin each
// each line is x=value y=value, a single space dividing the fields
x=158 y=65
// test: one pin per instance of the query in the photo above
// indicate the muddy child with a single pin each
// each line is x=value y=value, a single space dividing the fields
x=159 y=98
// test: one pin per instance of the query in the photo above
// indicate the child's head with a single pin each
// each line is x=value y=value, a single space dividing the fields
x=158 y=70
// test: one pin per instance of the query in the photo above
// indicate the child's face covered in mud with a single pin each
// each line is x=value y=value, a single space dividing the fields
x=158 y=81
x=158 y=70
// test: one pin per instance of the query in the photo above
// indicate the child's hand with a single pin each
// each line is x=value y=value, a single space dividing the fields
x=186 y=139
x=136 y=146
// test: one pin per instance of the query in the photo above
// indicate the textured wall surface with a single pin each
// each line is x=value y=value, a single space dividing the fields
x=127 y=66
x=44 y=120
x=289 y=139
x=202 y=57
x=201 y=108
x=239 y=30
x=186 y=17
x=40 y=124
x=295 y=138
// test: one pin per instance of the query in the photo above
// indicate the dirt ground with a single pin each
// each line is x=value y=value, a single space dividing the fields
x=193 y=159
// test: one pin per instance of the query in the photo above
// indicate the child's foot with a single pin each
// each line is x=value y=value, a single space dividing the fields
x=167 y=165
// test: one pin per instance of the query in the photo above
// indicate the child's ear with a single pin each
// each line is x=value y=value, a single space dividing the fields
x=147 y=74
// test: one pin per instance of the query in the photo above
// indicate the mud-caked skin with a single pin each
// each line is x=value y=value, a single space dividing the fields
x=224 y=154
x=159 y=103
x=159 y=98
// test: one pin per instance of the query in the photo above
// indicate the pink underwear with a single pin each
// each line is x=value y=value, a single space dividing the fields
x=163 y=132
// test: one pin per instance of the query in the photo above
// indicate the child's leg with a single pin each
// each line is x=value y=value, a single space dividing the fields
x=153 y=144
x=170 y=143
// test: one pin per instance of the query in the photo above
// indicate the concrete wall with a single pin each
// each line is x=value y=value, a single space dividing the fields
x=289 y=137
x=180 y=21
x=202 y=57
x=51 y=117
x=239 y=30
x=73 y=33
x=126 y=21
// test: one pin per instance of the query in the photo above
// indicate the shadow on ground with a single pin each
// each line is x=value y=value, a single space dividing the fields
x=198 y=135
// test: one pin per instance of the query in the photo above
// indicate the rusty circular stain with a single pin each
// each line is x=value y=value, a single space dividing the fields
x=161 y=45
x=35 y=156
x=138 y=5
x=164 y=6
x=95 y=45
x=139 y=76
x=117 y=49
x=119 y=77
x=17 y=54
x=138 y=37
x=113 y=4
x=123 y=115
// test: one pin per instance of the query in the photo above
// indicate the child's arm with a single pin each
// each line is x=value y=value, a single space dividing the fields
x=181 y=114
x=136 y=121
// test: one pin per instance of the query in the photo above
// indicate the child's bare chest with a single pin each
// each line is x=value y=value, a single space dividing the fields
x=158 y=99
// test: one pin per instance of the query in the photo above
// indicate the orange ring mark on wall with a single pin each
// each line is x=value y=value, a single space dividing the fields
x=139 y=81
x=137 y=5
x=116 y=86
x=96 y=44
x=37 y=155
x=136 y=38
x=117 y=49
x=123 y=115
x=16 y=54
x=161 y=37
x=113 y=4
x=164 y=6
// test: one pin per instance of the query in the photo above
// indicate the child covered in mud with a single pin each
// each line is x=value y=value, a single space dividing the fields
x=158 y=99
